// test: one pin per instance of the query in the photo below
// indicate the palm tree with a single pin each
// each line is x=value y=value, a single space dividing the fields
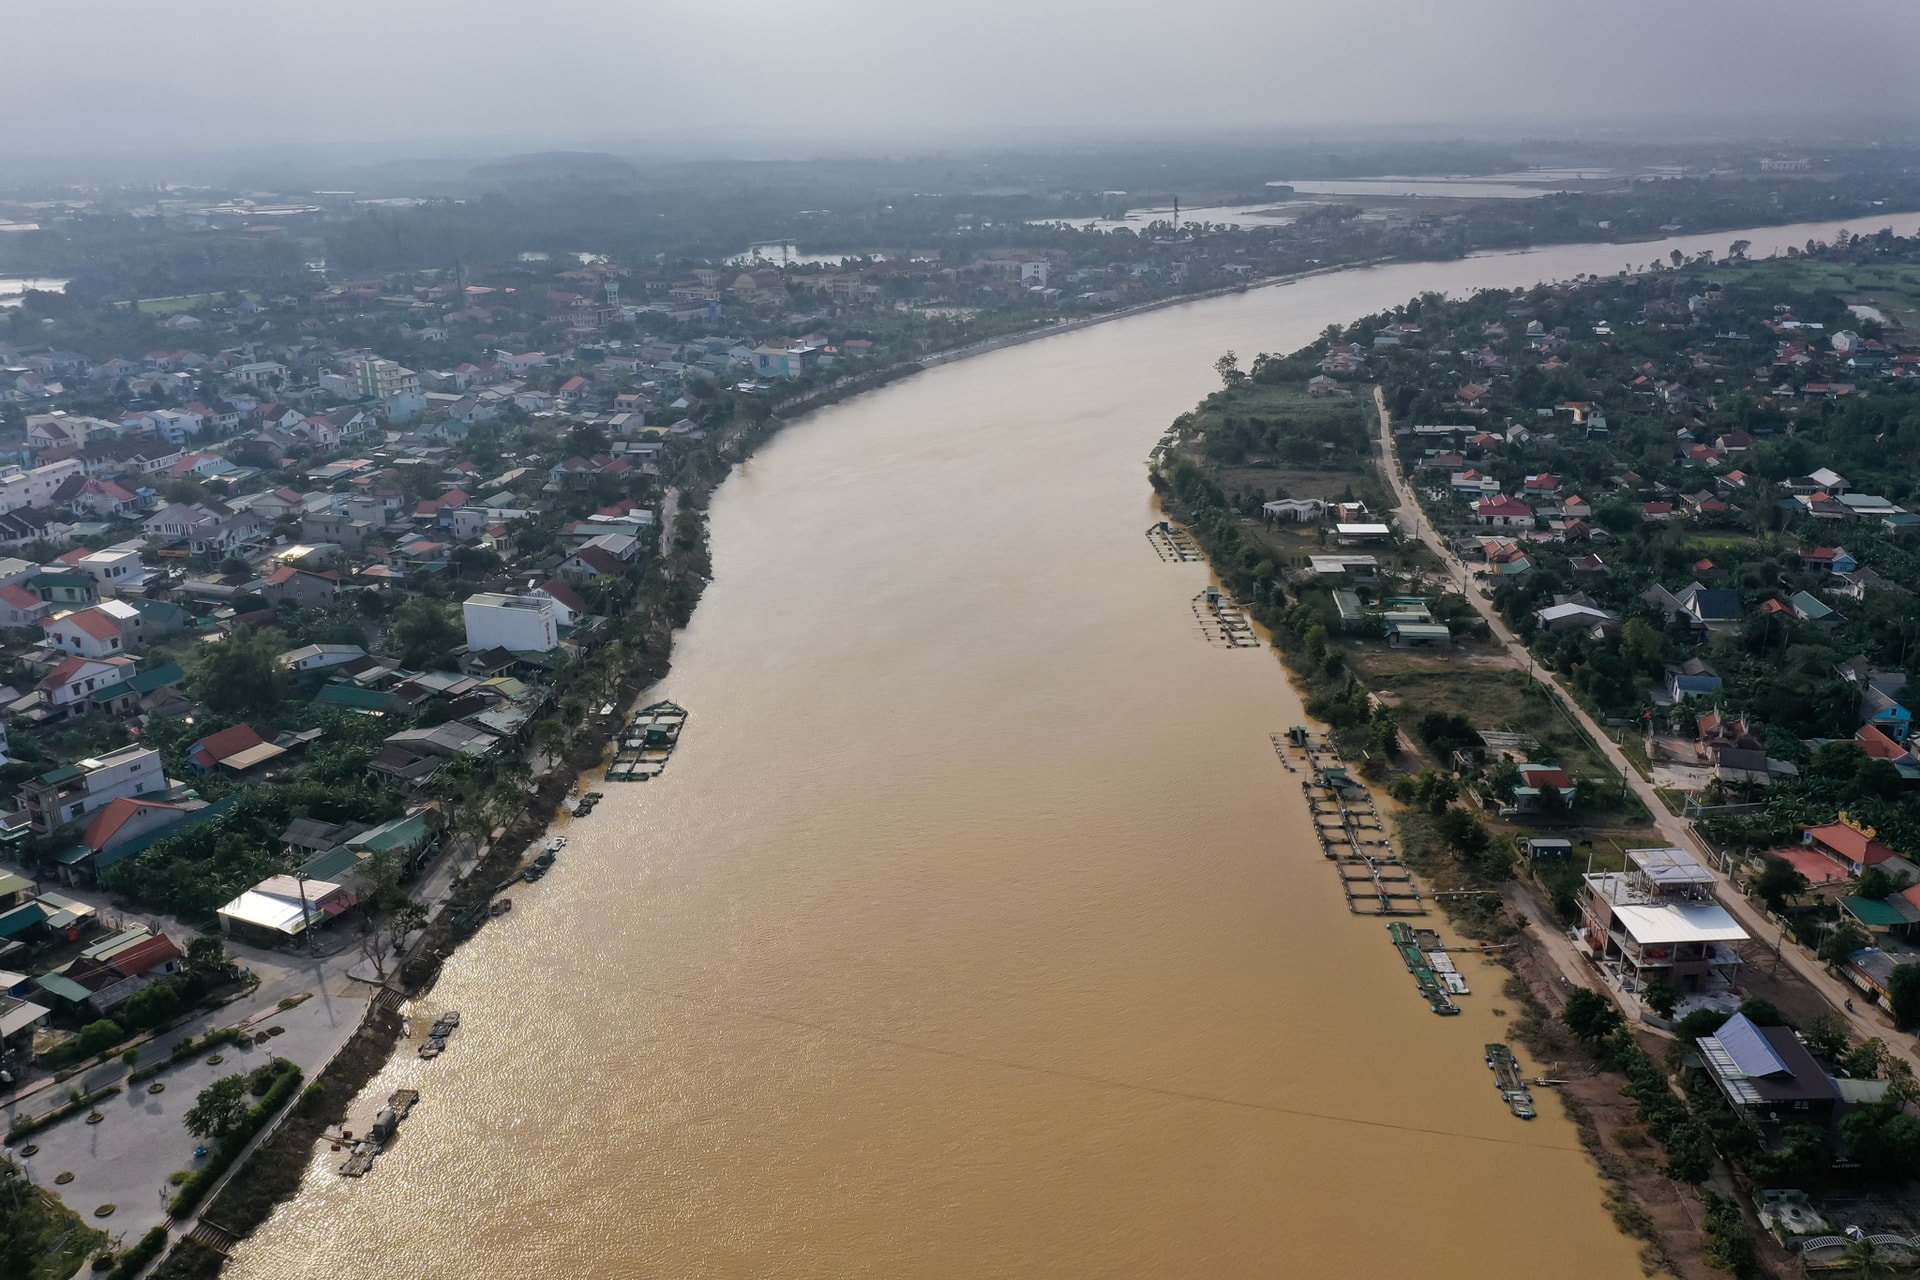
x=1866 y=1260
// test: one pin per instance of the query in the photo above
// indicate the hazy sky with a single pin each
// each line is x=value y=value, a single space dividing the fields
x=107 y=74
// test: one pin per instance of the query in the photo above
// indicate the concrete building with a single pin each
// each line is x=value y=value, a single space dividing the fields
x=60 y=796
x=1660 y=920
x=515 y=623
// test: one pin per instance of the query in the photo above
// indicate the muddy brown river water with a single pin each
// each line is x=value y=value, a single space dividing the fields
x=975 y=929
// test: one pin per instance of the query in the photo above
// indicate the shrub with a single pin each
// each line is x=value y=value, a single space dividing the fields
x=97 y=1036
x=135 y=1260
x=196 y=1187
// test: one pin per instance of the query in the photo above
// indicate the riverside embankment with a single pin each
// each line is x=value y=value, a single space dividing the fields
x=976 y=929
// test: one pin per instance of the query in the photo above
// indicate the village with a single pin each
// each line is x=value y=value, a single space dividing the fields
x=1627 y=628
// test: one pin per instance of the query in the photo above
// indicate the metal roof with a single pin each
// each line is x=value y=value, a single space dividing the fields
x=1669 y=867
x=1675 y=922
x=1873 y=913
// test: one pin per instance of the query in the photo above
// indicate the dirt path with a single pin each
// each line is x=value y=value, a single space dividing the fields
x=1866 y=1022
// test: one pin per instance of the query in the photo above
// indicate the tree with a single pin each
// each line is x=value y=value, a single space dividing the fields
x=424 y=632
x=207 y=956
x=152 y=1005
x=1778 y=882
x=1462 y=831
x=95 y=1036
x=1762 y=1013
x=1903 y=994
x=1660 y=997
x=1862 y=1259
x=220 y=1110
x=240 y=673
x=1228 y=367
x=1591 y=1016
x=380 y=942
x=1841 y=941
x=550 y=736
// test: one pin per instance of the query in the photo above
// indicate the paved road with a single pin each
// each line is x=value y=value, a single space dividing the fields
x=125 y=1160
x=1866 y=1021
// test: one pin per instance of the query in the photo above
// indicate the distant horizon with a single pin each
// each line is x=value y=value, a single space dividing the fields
x=768 y=80
x=109 y=165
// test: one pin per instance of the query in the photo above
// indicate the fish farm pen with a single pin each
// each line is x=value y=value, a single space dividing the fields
x=1224 y=621
x=644 y=746
x=1351 y=831
x=1171 y=542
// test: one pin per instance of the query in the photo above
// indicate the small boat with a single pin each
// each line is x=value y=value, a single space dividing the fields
x=556 y=844
x=533 y=873
x=433 y=1049
x=502 y=906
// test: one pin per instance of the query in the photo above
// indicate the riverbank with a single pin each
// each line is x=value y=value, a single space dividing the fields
x=724 y=900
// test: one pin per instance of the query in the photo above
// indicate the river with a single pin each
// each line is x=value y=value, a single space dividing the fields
x=975 y=929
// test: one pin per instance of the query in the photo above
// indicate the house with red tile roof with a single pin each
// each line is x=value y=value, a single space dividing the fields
x=88 y=633
x=237 y=750
x=1503 y=513
x=1847 y=845
x=20 y=608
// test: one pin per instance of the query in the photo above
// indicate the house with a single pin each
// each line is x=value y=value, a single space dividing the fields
x=592 y=562
x=117 y=569
x=127 y=826
x=528 y=624
x=1886 y=713
x=1573 y=617
x=21 y=608
x=238 y=748
x=320 y=657
x=1858 y=583
x=1768 y=1076
x=1734 y=750
x=98 y=631
x=203 y=526
x=1825 y=480
x=1711 y=609
x=282 y=908
x=290 y=585
x=1809 y=609
x=1656 y=511
x=1503 y=513
x=1828 y=560
x=1691 y=679
x=1852 y=848
x=1297 y=510
x=568 y=608
x=1535 y=781
x=1660 y=919
x=69 y=689
x=61 y=795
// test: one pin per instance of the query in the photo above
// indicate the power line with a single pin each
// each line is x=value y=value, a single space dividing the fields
x=1106 y=1081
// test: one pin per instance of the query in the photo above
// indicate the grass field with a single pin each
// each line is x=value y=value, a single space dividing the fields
x=1894 y=289
x=1490 y=698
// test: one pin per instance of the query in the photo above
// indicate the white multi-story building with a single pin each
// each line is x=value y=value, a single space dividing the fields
x=20 y=489
x=519 y=623
x=56 y=798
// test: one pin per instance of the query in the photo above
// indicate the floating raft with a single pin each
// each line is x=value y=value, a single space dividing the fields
x=1511 y=1083
x=1223 y=620
x=1408 y=945
x=1352 y=833
x=360 y=1160
x=643 y=747
x=1172 y=542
